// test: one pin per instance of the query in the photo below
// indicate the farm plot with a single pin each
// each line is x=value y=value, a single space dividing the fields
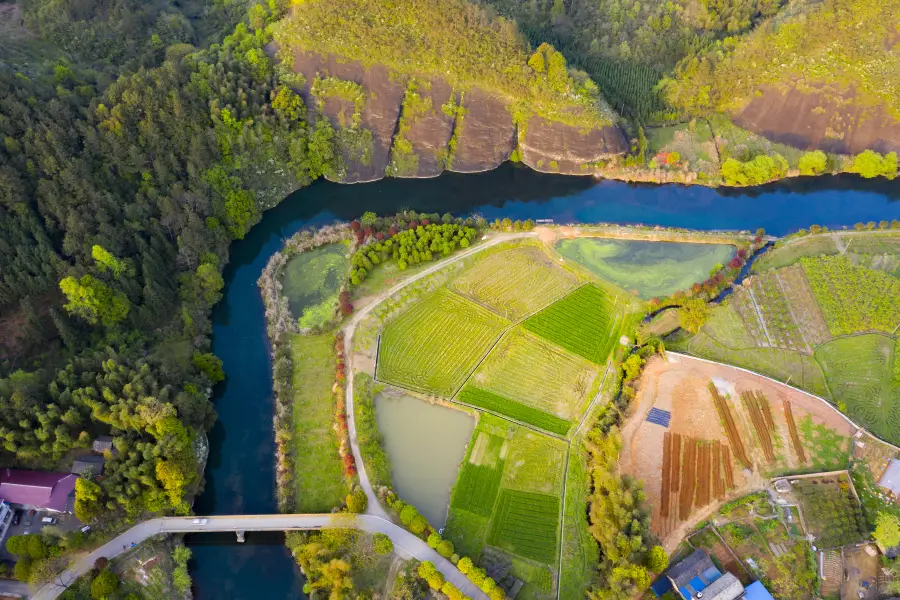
x=527 y=463
x=853 y=299
x=477 y=487
x=860 y=373
x=760 y=411
x=804 y=307
x=796 y=444
x=826 y=449
x=731 y=428
x=647 y=269
x=526 y=524
x=515 y=282
x=830 y=511
x=434 y=345
x=586 y=322
x=536 y=373
x=498 y=404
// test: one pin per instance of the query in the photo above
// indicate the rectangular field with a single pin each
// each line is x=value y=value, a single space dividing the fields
x=318 y=470
x=585 y=322
x=495 y=403
x=434 y=345
x=476 y=488
x=536 y=373
x=527 y=524
x=515 y=282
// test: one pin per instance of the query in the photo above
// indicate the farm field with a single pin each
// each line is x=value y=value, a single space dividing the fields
x=830 y=511
x=320 y=484
x=861 y=248
x=587 y=322
x=536 y=373
x=436 y=343
x=515 y=282
x=311 y=282
x=508 y=499
x=860 y=372
x=646 y=269
x=728 y=431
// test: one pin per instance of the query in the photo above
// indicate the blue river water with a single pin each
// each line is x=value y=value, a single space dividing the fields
x=240 y=476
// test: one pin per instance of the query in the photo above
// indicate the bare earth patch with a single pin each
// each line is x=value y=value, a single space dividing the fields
x=558 y=148
x=430 y=133
x=822 y=121
x=488 y=135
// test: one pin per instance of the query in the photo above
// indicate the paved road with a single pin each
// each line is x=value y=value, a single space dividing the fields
x=375 y=507
x=406 y=544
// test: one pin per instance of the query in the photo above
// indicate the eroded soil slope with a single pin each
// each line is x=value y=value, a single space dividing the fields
x=559 y=148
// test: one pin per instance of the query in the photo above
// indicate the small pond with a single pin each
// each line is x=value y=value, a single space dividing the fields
x=311 y=281
x=426 y=443
x=647 y=269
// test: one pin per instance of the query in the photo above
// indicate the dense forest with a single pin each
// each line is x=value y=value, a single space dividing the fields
x=126 y=169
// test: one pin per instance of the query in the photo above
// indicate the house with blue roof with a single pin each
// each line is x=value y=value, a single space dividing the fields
x=697 y=577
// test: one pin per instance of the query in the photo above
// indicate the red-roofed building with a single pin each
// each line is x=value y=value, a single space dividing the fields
x=39 y=490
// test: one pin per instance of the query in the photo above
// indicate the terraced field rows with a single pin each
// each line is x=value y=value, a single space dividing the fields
x=515 y=282
x=435 y=344
x=527 y=524
x=731 y=429
x=757 y=406
x=694 y=473
x=582 y=322
x=782 y=331
x=804 y=307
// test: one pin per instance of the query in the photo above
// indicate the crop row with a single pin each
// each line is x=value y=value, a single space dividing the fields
x=526 y=524
x=581 y=323
x=493 y=402
x=477 y=488
x=760 y=411
x=731 y=430
x=792 y=429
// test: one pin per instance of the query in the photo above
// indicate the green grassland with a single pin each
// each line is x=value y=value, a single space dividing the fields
x=647 y=269
x=515 y=282
x=311 y=281
x=827 y=450
x=534 y=372
x=860 y=374
x=508 y=496
x=317 y=465
x=435 y=344
x=587 y=322
x=495 y=403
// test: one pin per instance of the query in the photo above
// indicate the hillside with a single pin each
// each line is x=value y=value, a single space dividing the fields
x=441 y=85
x=819 y=75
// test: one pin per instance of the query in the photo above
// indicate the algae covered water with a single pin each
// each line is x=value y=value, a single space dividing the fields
x=240 y=475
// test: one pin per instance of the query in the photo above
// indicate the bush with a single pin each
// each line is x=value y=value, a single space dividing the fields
x=434 y=540
x=813 y=163
x=104 y=584
x=464 y=565
x=657 y=559
x=758 y=170
x=870 y=164
x=357 y=502
x=445 y=548
x=382 y=543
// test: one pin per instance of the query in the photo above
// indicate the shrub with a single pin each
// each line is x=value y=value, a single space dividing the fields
x=657 y=559
x=418 y=525
x=357 y=502
x=813 y=163
x=445 y=548
x=382 y=543
x=464 y=565
x=870 y=164
x=434 y=540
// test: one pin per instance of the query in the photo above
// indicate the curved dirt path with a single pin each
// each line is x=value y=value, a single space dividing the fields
x=349 y=329
x=406 y=545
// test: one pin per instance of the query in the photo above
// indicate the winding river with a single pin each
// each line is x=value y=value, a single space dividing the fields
x=240 y=475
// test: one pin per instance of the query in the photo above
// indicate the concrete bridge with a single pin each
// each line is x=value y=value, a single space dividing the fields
x=406 y=545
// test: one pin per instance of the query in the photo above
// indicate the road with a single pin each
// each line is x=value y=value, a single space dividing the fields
x=375 y=507
x=406 y=544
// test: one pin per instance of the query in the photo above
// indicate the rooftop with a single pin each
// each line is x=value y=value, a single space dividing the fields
x=891 y=478
x=37 y=488
x=726 y=587
x=697 y=563
x=89 y=464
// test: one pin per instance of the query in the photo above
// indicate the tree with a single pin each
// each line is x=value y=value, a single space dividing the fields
x=22 y=570
x=537 y=63
x=382 y=543
x=887 y=530
x=94 y=301
x=106 y=261
x=434 y=540
x=693 y=314
x=357 y=501
x=657 y=559
x=104 y=585
x=418 y=525
x=210 y=364
x=871 y=164
x=88 y=500
x=445 y=548
x=407 y=514
x=813 y=163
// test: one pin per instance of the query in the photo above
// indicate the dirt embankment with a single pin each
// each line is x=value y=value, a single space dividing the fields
x=823 y=121
x=558 y=148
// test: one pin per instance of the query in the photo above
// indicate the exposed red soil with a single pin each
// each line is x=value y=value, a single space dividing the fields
x=558 y=148
x=488 y=134
x=821 y=121
x=430 y=133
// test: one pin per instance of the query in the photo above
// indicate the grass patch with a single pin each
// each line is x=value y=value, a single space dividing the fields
x=476 y=488
x=318 y=471
x=515 y=282
x=526 y=524
x=527 y=463
x=467 y=531
x=860 y=373
x=827 y=450
x=378 y=465
x=585 y=322
x=580 y=552
x=434 y=345
x=646 y=269
x=526 y=414
x=536 y=373
x=311 y=281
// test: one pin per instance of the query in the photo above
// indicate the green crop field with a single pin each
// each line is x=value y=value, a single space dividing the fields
x=476 y=488
x=317 y=465
x=526 y=463
x=515 y=282
x=311 y=281
x=860 y=371
x=526 y=524
x=883 y=244
x=526 y=414
x=648 y=269
x=852 y=298
x=536 y=373
x=585 y=322
x=434 y=345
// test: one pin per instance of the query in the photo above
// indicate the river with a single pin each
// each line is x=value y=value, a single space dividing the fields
x=240 y=474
